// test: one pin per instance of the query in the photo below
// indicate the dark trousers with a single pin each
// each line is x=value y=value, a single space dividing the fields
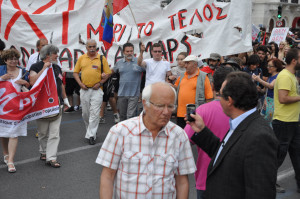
x=181 y=122
x=200 y=194
x=288 y=135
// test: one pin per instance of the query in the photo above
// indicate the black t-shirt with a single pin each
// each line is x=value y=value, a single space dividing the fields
x=37 y=67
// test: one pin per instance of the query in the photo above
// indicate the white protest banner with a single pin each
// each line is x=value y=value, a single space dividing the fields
x=225 y=27
x=278 y=35
x=255 y=31
x=20 y=107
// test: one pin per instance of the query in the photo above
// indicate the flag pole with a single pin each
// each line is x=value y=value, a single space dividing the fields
x=135 y=22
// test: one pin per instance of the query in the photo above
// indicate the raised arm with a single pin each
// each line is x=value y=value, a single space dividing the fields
x=33 y=76
x=140 y=61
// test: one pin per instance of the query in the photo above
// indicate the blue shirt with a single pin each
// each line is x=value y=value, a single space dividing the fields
x=233 y=124
x=270 y=92
x=130 y=77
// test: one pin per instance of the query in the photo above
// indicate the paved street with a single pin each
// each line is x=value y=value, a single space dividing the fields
x=78 y=178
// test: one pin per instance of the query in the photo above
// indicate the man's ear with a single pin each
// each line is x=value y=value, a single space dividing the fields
x=230 y=101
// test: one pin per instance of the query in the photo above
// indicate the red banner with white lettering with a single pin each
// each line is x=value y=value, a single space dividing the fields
x=19 y=107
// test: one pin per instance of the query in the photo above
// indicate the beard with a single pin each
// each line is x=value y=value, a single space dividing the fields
x=128 y=57
x=54 y=61
x=213 y=67
x=297 y=67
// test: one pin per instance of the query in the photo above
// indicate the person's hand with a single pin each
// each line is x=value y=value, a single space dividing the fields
x=83 y=86
x=259 y=89
x=197 y=125
x=104 y=75
x=96 y=86
x=7 y=76
x=143 y=48
x=172 y=77
x=255 y=77
x=22 y=82
x=47 y=65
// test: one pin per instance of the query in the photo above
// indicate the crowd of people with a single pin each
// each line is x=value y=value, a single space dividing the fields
x=245 y=122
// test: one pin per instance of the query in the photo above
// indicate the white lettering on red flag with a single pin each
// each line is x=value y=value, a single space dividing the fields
x=19 y=107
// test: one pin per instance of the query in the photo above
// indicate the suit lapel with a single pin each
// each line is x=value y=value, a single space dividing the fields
x=238 y=132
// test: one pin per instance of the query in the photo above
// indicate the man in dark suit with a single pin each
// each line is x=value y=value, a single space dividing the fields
x=244 y=163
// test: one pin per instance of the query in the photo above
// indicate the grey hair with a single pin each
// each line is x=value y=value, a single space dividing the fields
x=47 y=51
x=147 y=92
x=90 y=41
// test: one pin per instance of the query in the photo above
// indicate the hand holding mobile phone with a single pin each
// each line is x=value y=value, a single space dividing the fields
x=190 y=109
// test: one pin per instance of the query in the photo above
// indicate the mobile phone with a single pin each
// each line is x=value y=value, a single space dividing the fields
x=190 y=109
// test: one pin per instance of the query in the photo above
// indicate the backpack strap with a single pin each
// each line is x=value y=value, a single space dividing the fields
x=101 y=59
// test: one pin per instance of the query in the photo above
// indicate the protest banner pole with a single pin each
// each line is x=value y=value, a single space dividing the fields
x=135 y=22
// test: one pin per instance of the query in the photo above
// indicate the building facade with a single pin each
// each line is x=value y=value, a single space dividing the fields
x=264 y=13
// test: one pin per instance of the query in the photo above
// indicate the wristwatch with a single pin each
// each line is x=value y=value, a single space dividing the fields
x=101 y=84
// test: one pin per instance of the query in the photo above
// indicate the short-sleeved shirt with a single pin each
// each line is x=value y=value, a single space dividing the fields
x=187 y=92
x=286 y=112
x=37 y=67
x=146 y=167
x=156 y=71
x=130 y=77
x=34 y=58
x=91 y=69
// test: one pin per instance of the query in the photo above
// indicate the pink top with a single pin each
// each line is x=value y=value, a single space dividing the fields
x=215 y=119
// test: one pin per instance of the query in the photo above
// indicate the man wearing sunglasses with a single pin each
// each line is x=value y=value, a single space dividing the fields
x=157 y=69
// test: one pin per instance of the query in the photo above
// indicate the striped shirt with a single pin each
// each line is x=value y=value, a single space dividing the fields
x=146 y=167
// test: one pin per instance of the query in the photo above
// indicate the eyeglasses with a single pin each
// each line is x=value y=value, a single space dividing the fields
x=269 y=66
x=161 y=107
x=91 y=46
x=157 y=51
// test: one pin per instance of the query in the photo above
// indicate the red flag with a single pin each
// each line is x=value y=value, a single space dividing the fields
x=119 y=5
x=19 y=107
x=264 y=41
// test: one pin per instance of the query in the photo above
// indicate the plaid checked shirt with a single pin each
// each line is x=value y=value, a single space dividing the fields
x=146 y=168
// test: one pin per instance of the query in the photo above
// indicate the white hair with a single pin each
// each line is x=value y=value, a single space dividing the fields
x=90 y=41
x=147 y=92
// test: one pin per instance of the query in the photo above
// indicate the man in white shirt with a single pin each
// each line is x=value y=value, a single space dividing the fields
x=35 y=57
x=156 y=68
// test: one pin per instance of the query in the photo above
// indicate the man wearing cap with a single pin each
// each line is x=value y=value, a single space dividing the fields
x=213 y=62
x=233 y=64
x=193 y=87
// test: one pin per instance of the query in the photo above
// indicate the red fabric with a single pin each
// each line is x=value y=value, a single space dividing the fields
x=207 y=70
x=118 y=5
x=20 y=107
x=264 y=42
